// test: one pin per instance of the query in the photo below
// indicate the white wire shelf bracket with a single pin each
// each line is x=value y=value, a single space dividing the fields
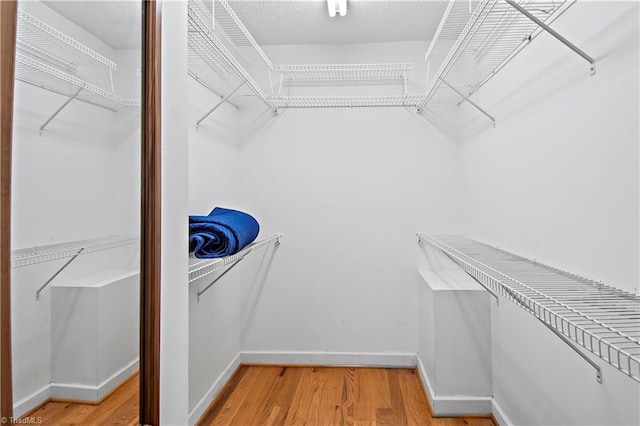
x=480 y=43
x=585 y=314
x=44 y=76
x=343 y=75
x=344 y=101
x=207 y=54
x=51 y=252
x=199 y=268
x=42 y=39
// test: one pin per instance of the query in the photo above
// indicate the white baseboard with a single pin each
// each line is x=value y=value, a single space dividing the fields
x=499 y=415
x=93 y=393
x=454 y=405
x=204 y=402
x=369 y=359
x=32 y=401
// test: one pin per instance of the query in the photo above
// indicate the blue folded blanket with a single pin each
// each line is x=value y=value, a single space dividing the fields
x=223 y=233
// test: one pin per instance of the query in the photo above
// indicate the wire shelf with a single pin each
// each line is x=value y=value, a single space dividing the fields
x=48 y=43
x=602 y=319
x=48 y=253
x=482 y=42
x=344 y=101
x=39 y=74
x=199 y=268
x=209 y=59
x=234 y=31
x=343 y=74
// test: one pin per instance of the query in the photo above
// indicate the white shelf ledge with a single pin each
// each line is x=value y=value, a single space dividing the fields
x=48 y=253
x=601 y=319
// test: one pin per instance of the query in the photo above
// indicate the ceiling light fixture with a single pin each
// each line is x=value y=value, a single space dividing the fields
x=337 y=5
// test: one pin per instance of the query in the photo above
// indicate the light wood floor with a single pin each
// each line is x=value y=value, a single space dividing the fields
x=265 y=395
x=319 y=396
x=119 y=408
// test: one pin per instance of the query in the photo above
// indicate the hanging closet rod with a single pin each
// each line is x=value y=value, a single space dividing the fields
x=555 y=34
x=199 y=268
x=602 y=319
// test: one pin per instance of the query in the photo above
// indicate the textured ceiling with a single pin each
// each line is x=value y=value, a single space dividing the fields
x=308 y=21
x=117 y=22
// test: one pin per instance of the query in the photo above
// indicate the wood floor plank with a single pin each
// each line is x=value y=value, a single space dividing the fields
x=349 y=394
x=414 y=398
x=397 y=401
x=235 y=401
x=299 y=410
x=331 y=397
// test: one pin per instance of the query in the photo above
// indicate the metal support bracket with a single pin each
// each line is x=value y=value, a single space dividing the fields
x=555 y=34
x=58 y=273
x=466 y=98
x=60 y=109
x=223 y=100
x=209 y=88
x=201 y=292
x=560 y=335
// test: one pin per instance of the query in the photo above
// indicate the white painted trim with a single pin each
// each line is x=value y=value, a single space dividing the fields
x=32 y=401
x=204 y=402
x=369 y=359
x=454 y=405
x=499 y=415
x=90 y=392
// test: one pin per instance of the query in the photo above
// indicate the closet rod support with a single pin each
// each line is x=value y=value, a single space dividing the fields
x=223 y=100
x=211 y=89
x=466 y=98
x=201 y=292
x=60 y=109
x=555 y=34
x=58 y=273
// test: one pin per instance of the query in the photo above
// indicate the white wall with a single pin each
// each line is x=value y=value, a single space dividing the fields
x=174 y=327
x=348 y=188
x=557 y=179
x=70 y=183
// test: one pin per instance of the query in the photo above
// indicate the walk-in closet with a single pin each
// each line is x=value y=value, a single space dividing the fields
x=404 y=212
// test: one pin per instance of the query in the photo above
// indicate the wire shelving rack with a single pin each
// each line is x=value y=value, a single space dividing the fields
x=51 y=60
x=598 y=318
x=199 y=268
x=345 y=101
x=47 y=253
x=480 y=38
x=343 y=74
x=40 y=74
